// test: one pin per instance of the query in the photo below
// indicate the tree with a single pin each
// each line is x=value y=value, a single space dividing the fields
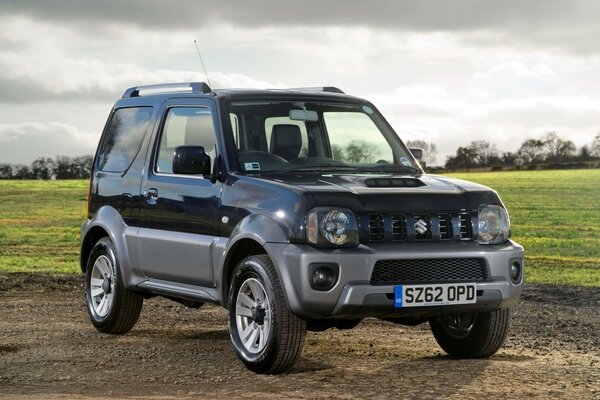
x=84 y=165
x=42 y=168
x=429 y=148
x=66 y=168
x=584 y=153
x=557 y=147
x=595 y=146
x=338 y=152
x=484 y=152
x=360 y=151
x=465 y=158
x=531 y=151
x=6 y=171
x=510 y=159
x=21 y=172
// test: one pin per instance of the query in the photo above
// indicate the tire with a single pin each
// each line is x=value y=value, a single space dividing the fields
x=111 y=307
x=265 y=335
x=471 y=335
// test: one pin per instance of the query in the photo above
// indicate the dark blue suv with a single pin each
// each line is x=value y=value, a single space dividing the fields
x=295 y=209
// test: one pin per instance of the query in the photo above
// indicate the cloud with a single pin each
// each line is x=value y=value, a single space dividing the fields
x=568 y=25
x=40 y=61
x=24 y=142
x=437 y=115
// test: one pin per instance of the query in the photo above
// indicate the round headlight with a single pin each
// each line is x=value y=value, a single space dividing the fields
x=494 y=226
x=334 y=225
x=331 y=227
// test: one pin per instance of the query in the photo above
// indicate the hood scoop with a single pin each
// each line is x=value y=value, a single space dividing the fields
x=380 y=182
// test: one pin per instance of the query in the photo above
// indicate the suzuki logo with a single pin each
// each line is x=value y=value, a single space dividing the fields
x=421 y=226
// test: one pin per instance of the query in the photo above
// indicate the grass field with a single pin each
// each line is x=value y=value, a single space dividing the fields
x=39 y=224
x=555 y=215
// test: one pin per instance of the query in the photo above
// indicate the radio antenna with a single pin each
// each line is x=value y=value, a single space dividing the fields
x=202 y=61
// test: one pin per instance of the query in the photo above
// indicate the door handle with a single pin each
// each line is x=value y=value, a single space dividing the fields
x=151 y=196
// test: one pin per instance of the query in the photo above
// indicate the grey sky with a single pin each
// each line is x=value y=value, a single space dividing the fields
x=444 y=71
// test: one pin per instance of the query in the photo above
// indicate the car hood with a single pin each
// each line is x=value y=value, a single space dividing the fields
x=391 y=192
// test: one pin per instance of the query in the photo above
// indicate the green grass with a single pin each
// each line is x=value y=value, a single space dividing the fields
x=39 y=225
x=555 y=215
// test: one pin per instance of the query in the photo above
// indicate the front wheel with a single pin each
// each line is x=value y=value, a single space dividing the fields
x=111 y=307
x=471 y=335
x=266 y=336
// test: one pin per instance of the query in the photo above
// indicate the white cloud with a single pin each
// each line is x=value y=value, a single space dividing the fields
x=445 y=74
x=518 y=69
x=22 y=143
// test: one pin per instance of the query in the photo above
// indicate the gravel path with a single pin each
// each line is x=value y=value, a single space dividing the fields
x=48 y=349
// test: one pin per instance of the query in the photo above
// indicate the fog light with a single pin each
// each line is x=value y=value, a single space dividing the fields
x=320 y=277
x=323 y=276
x=515 y=271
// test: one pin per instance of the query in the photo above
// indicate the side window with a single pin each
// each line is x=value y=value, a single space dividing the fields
x=185 y=126
x=123 y=138
x=284 y=126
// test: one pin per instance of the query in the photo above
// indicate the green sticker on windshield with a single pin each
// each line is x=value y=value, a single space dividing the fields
x=367 y=109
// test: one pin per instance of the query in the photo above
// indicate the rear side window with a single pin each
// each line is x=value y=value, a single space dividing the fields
x=123 y=138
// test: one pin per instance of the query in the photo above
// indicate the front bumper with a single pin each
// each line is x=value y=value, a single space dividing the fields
x=354 y=297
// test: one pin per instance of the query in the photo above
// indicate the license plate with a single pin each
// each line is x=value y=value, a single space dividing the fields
x=443 y=294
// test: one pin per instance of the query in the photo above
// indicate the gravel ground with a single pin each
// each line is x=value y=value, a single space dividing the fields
x=49 y=349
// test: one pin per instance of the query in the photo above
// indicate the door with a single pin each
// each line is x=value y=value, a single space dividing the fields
x=179 y=213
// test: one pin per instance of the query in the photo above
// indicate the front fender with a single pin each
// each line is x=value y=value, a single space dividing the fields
x=255 y=229
x=261 y=228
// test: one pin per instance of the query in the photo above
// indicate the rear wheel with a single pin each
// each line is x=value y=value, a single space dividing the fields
x=111 y=307
x=471 y=335
x=266 y=336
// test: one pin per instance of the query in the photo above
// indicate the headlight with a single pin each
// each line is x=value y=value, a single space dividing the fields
x=331 y=227
x=494 y=226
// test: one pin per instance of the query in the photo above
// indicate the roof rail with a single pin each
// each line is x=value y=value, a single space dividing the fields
x=330 y=89
x=193 y=87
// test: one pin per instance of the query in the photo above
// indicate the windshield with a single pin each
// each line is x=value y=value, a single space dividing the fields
x=285 y=136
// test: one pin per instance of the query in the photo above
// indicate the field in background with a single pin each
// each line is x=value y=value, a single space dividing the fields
x=554 y=214
x=39 y=224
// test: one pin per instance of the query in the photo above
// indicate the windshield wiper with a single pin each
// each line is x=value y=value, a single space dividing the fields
x=320 y=168
x=389 y=168
x=382 y=168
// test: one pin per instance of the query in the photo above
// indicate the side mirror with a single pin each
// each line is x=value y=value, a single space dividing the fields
x=419 y=154
x=190 y=160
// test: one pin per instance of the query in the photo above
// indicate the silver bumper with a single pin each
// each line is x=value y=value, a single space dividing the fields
x=354 y=297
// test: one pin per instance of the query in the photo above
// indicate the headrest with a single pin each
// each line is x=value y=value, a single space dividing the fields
x=286 y=141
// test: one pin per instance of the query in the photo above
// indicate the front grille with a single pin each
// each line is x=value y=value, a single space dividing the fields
x=437 y=226
x=398 y=227
x=376 y=228
x=388 y=272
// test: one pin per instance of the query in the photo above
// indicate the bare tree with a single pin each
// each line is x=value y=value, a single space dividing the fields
x=485 y=153
x=557 y=147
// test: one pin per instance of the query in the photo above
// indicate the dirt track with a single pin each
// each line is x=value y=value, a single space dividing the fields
x=48 y=349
